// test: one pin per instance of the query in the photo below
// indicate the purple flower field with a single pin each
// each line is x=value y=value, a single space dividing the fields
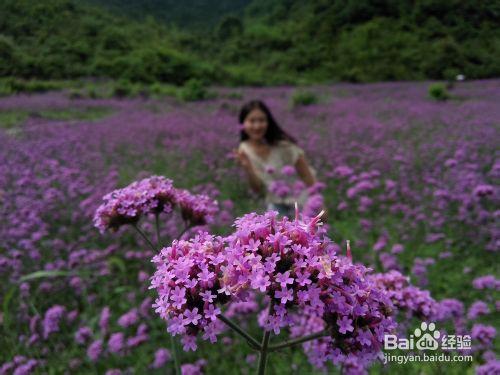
x=411 y=182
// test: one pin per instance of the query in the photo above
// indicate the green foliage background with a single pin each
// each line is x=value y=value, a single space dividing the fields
x=255 y=42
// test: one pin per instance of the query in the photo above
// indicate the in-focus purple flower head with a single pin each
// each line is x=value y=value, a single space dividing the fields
x=293 y=263
x=187 y=280
x=296 y=266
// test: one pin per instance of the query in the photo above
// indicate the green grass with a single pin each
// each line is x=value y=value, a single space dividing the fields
x=13 y=85
x=13 y=118
x=303 y=98
x=66 y=114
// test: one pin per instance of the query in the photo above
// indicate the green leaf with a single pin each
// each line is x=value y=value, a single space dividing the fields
x=5 y=305
x=42 y=274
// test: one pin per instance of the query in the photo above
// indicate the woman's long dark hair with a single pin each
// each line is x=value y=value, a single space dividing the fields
x=274 y=132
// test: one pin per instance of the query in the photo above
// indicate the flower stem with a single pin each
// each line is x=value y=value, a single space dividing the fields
x=173 y=349
x=263 y=353
x=300 y=340
x=251 y=341
x=157 y=225
x=173 y=341
x=145 y=238
x=264 y=346
x=173 y=346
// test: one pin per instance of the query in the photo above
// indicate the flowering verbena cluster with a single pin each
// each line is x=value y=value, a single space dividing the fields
x=293 y=264
x=484 y=335
x=319 y=351
x=188 y=283
x=405 y=297
x=284 y=186
x=197 y=209
x=294 y=190
x=151 y=195
x=314 y=202
x=486 y=282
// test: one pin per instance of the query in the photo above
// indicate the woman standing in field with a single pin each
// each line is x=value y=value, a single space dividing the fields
x=272 y=160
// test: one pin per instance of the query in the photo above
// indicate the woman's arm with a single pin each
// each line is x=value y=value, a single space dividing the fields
x=255 y=182
x=307 y=176
x=304 y=171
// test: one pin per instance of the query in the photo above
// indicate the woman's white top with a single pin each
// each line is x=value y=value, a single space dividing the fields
x=284 y=153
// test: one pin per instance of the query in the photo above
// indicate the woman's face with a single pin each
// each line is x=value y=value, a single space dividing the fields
x=255 y=124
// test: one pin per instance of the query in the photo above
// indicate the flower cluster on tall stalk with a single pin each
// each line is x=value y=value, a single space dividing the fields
x=153 y=195
x=287 y=187
x=150 y=197
x=294 y=265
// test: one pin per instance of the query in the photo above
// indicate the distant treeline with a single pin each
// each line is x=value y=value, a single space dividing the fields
x=252 y=42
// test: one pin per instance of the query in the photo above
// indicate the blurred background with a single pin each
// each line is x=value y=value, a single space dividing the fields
x=243 y=42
